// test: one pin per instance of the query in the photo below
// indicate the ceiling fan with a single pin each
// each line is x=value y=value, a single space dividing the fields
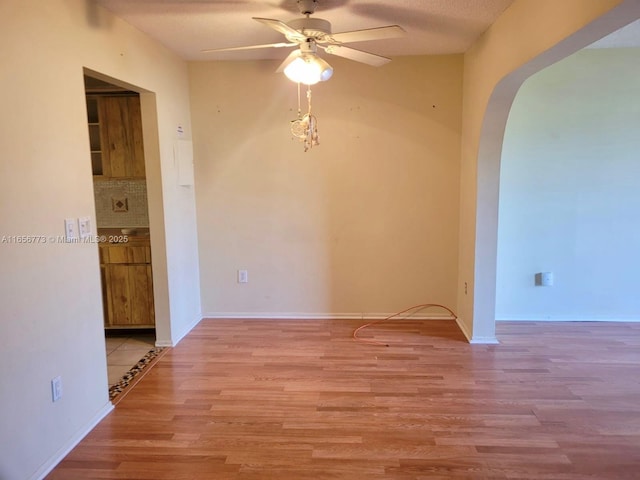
x=303 y=65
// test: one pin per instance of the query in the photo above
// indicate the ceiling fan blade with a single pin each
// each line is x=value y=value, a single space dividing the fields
x=250 y=47
x=289 y=32
x=379 y=33
x=357 y=55
x=288 y=60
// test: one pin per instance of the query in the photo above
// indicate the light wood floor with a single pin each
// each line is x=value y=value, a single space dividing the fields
x=261 y=400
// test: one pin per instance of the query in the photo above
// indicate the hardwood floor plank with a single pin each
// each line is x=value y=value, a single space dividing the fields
x=274 y=399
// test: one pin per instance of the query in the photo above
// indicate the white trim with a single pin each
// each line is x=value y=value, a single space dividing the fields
x=484 y=341
x=57 y=457
x=162 y=342
x=476 y=340
x=463 y=329
x=173 y=343
x=560 y=318
x=319 y=316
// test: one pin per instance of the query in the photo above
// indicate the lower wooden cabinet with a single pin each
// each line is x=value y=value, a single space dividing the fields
x=128 y=286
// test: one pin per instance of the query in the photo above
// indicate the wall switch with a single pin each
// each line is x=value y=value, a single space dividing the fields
x=71 y=229
x=56 y=388
x=84 y=224
x=243 y=276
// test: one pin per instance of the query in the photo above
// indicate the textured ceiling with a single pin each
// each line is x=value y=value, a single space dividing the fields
x=189 y=26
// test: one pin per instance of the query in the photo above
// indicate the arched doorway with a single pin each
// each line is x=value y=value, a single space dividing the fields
x=495 y=68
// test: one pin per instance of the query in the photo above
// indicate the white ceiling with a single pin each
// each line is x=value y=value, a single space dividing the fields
x=189 y=26
x=433 y=26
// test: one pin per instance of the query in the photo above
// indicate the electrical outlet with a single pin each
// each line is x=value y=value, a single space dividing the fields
x=56 y=388
x=243 y=276
x=465 y=288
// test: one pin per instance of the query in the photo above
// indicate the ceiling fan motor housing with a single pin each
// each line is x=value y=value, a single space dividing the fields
x=316 y=28
x=307 y=7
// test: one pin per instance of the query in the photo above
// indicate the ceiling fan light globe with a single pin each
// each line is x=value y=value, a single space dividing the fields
x=326 y=73
x=308 y=69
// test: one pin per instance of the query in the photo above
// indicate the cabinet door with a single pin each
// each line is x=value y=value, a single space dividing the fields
x=129 y=295
x=121 y=135
x=118 y=303
x=114 y=124
x=141 y=295
x=103 y=282
x=128 y=254
x=136 y=165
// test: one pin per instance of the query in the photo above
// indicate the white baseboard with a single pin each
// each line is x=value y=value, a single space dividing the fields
x=561 y=318
x=173 y=342
x=319 y=316
x=463 y=329
x=57 y=457
x=484 y=341
x=474 y=339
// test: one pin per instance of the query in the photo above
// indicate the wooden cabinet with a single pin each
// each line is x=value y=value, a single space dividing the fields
x=115 y=135
x=95 y=141
x=128 y=285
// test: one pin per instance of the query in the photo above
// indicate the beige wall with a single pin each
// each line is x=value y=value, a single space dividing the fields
x=365 y=223
x=50 y=300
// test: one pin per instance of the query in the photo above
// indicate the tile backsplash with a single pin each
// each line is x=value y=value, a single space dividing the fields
x=121 y=203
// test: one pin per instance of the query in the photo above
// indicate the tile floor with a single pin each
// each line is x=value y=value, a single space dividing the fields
x=123 y=352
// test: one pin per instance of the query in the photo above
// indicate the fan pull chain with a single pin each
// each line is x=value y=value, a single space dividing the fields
x=305 y=126
x=312 y=128
x=298 y=127
x=299 y=110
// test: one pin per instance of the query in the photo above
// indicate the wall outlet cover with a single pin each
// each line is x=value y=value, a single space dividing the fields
x=56 y=388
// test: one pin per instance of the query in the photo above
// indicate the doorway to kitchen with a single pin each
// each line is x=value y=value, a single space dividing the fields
x=122 y=220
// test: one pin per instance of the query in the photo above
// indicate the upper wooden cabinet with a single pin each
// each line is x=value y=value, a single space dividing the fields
x=115 y=134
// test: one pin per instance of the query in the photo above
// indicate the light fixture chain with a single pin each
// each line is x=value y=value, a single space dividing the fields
x=311 y=137
x=305 y=126
x=299 y=109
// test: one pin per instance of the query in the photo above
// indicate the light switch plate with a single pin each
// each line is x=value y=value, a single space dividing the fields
x=85 y=227
x=71 y=229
